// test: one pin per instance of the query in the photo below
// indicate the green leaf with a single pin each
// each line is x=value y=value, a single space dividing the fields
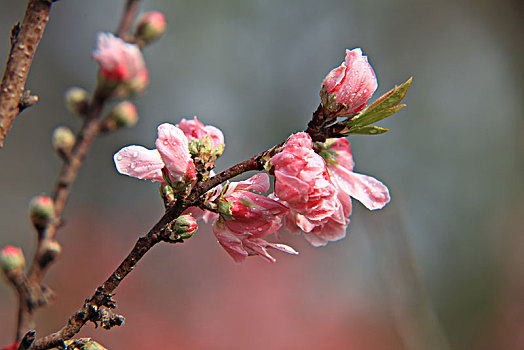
x=383 y=107
x=367 y=130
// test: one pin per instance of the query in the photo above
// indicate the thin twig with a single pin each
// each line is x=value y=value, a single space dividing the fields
x=24 y=42
x=142 y=246
x=131 y=8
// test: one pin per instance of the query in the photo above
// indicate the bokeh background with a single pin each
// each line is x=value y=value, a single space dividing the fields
x=442 y=267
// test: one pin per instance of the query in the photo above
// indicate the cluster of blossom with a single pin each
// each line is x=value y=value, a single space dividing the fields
x=314 y=182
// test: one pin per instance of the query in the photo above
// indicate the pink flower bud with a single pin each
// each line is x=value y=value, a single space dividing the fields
x=120 y=62
x=195 y=129
x=302 y=182
x=185 y=226
x=41 y=210
x=12 y=258
x=347 y=88
x=151 y=26
x=124 y=114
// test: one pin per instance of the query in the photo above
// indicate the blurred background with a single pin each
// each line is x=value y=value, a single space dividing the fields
x=442 y=267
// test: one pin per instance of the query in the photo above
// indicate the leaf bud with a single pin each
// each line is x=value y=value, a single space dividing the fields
x=77 y=100
x=41 y=210
x=12 y=260
x=63 y=140
x=151 y=26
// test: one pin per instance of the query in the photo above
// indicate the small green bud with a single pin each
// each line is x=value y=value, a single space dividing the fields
x=219 y=149
x=151 y=26
x=77 y=100
x=63 y=140
x=194 y=145
x=206 y=144
x=224 y=206
x=12 y=260
x=124 y=114
x=167 y=193
x=41 y=210
x=184 y=227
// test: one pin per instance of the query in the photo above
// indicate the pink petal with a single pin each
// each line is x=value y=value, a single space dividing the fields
x=139 y=162
x=366 y=189
x=230 y=242
x=172 y=145
x=258 y=183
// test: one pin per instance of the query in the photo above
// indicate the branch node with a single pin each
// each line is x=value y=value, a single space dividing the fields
x=27 y=340
x=27 y=100
x=14 y=33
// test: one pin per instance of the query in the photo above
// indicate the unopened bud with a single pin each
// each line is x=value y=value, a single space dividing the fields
x=224 y=207
x=12 y=259
x=184 y=227
x=83 y=344
x=41 y=210
x=151 y=26
x=77 y=100
x=51 y=249
x=124 y=114
x=206 y=144
x=167 y=194
x=219 y=149
x=63 y=140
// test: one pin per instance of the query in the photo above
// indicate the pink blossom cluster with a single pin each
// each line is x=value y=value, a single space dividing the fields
x=312 y=193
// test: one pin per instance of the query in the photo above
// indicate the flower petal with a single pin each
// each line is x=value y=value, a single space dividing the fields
x=366 y=189
x=139 y=162
x=172 y=145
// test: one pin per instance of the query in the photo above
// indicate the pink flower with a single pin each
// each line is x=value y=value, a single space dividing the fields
x=172 y=153
x=350 y=85
x=194 y=129
x=302 y=183
x=119 y=61
x=250 y=216
x=366 y=189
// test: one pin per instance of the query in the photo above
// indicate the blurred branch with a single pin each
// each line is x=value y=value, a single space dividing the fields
x=413 y=314
x=32 y=294
x=24 y=42
x=131 y=8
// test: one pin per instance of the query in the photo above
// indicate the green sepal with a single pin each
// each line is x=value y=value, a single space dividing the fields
x=224 y=206
x=383 y=107
x=366 y=130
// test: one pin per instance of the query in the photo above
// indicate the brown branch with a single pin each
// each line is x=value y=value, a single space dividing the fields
x=33 y=290
x=24 y=42
x=32 y=293
x=88 y=311
x=131 y=8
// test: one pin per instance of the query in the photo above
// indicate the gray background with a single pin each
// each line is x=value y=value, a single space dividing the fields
x=452 y=160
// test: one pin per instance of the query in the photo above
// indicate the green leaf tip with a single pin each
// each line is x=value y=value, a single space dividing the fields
x=383 y=107
x=367 y=130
